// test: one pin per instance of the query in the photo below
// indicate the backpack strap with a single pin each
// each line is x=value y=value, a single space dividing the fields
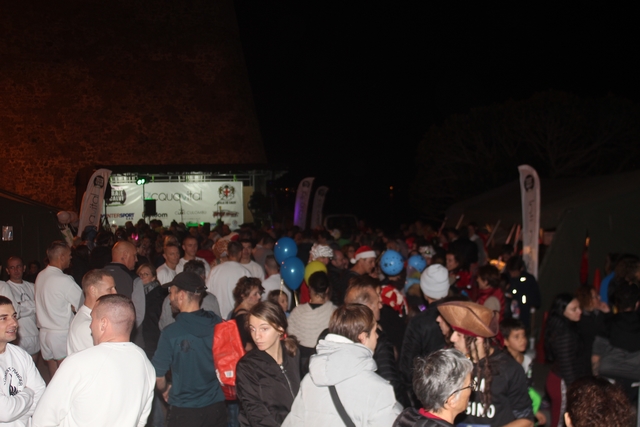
x=338 y=404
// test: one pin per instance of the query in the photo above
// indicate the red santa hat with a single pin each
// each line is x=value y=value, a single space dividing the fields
x=363 y=252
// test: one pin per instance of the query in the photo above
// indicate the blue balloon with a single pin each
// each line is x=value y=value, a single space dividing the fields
x=418 y=262
x=391 y=263
x=285 y=248
x=292 y=272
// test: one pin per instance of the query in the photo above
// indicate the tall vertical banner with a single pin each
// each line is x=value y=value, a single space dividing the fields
x=91 y=208
x=318 y=204
x=302 y=203
x=530 y=191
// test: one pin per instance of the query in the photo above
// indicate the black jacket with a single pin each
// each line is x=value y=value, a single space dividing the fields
x=150 y=331
x=265 y=389
x=566 y=349
x=422 y=337
x=387 y=367
x=411 y=418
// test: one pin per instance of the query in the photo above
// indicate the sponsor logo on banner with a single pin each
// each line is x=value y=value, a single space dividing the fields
x=126 y=215
x=226 y=192
x=118 y=196
x=223 y=212
x=168 y=197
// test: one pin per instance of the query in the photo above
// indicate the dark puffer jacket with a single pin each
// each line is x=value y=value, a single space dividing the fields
x=265 y=389
x=422 y=337
x=410 y=417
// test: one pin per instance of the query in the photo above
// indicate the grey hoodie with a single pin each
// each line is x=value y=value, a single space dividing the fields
x=368 y=399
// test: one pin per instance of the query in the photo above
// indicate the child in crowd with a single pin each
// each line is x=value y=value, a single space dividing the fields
x=515 y=342
x=279 y=298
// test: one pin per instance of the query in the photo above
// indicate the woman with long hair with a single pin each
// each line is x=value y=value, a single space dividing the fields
x=565 y=348
x=501 y=397
x=246 y=294
x=268 y=377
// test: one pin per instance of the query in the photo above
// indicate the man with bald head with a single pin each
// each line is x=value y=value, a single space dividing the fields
x=121 y=268
x=190 y=248
x=57 y=297
x=94 y=284
x=110 y=384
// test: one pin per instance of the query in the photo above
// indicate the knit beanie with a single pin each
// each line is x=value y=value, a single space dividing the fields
x=434 y=281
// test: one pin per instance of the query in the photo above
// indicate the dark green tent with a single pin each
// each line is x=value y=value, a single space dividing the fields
x=604 y=208
x=34 y=224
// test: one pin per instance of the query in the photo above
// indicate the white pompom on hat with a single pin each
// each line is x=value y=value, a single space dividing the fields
x=363 y=252
x=319 y=251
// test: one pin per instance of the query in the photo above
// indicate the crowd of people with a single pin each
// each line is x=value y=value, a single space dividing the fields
x=124 y=324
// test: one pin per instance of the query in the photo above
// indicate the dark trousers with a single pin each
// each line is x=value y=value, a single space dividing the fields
x=214 y=415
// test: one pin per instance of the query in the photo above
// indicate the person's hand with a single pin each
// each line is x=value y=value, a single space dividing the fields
x=603 y=307
x=540 y=417
x=165 y=394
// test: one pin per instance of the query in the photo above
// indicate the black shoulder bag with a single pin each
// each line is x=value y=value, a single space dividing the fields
x=338 y=404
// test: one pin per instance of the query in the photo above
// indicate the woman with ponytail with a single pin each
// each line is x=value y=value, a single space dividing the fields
x=268 y=377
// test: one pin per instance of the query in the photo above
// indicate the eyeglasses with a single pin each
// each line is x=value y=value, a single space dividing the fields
x=471 y=386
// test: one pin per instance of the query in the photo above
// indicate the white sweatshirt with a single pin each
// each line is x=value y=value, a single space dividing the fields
x=21 y=387
x=108 y=385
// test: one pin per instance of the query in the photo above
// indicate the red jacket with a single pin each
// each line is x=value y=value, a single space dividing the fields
x=484 y=294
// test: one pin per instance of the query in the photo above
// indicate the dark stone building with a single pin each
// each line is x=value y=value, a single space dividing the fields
x=124 y=82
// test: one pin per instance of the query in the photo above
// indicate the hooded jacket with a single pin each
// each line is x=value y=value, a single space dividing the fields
x=367 y=398
x=265 y=389
x=185 y=347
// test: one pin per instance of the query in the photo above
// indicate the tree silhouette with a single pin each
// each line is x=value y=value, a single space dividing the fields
x=560 y=134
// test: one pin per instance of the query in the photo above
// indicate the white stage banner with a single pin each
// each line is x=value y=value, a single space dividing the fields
x=302 y=203
x=91 y=208
x=530 y=191
x=179 y=201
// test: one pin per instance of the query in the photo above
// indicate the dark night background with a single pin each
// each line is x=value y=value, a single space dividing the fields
x=345 y=90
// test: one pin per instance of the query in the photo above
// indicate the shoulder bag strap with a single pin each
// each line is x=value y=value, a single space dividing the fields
x=338 y=404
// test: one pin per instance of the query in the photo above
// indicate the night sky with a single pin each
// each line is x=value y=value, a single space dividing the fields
x=345 y=90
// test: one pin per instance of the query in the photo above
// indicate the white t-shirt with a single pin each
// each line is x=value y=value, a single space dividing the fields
x=255 y=269
x=107 y=385
x=24 y=299
x=79 y=337
x=221 y=282
x=182 y=262
x=55 y=293
x=21 y=387
x=165 y=274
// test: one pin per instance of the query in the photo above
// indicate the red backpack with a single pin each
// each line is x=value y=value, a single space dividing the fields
x=227 y=351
